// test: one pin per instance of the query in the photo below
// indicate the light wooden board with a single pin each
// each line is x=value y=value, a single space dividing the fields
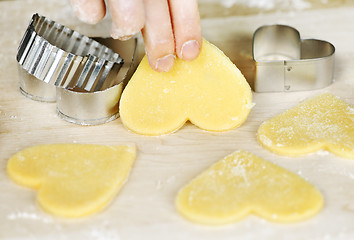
x=144 y=209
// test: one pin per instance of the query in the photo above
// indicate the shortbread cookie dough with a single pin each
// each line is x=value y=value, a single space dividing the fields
x=209 y=91
x=323 y=122
x=241 y=184
x=73 y=180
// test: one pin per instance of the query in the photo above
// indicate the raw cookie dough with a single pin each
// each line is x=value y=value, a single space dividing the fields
x=73 y=180
x=209 y=91
x=323 y=122
x=242 y=183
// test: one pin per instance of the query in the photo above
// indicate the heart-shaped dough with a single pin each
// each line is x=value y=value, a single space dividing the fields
x=243 y=183
x=323 y=122
x=209 y=91
x=73 y=180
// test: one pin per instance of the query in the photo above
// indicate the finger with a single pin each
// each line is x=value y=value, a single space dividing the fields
x=158 y=35
x=89 y=11
x=127 y=18
x=186 y=28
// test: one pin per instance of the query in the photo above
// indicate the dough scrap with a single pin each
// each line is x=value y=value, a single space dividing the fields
x=241 y=184
x=322 y=122
x=73 y=180
x=209 y=91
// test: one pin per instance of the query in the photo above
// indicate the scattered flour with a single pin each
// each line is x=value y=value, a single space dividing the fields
x=266 y=140
x=28 y=216
x=250 y=105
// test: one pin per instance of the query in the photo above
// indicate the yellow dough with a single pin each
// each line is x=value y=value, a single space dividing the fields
x=73 y=180
x=209 y=91
x=323 y=122
x=241 y=184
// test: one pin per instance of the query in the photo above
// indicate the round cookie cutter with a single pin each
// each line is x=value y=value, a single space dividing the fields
x=91 y=108
x=81 y=74
x=284 y=62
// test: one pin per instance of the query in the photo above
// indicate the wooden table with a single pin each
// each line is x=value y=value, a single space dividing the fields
x=144 y=209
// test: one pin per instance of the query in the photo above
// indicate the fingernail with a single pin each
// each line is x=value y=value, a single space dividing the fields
x=165 y=64
x=125 y=38
x=190 y=50
x=86 y=16
x=83 y=17
x=120 y=34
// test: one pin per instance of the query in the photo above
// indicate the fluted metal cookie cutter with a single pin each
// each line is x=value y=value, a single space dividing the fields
x=285 y=62
x=83 y=76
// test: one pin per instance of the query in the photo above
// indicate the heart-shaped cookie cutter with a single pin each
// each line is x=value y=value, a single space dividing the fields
x=284 y=62
x=83 y=76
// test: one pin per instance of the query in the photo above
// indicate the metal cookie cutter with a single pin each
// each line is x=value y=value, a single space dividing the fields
x=285 y=62
x=83 y=76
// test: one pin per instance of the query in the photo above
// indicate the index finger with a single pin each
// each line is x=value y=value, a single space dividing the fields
x=127 y=17
x=186 y=28
x=89 y=11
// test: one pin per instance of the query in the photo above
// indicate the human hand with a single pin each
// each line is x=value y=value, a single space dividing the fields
x=170 y=28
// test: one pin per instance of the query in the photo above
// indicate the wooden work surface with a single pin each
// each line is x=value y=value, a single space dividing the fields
x=144 y=209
